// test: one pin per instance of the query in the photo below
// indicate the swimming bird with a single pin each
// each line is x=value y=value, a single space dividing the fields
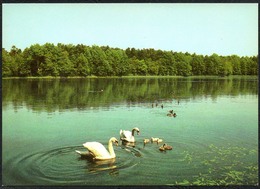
x=128 y=135
x=162 y=148
x=154 y=139
x=172 y=114
x=98 y=151
x=167 y=147
x=159 y=140
x=146 y=140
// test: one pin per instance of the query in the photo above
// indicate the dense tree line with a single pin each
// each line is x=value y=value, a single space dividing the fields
x=81 y=60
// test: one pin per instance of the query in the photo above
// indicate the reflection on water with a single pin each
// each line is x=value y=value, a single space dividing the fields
x=64 y=165
x=104 y=165
x=46 y=120
x=62 y=94
x=128 y=144
x=97 y=165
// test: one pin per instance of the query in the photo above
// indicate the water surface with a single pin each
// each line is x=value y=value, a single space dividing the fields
x=214 y=136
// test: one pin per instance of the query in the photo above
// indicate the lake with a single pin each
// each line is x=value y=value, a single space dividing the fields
x=214 y=135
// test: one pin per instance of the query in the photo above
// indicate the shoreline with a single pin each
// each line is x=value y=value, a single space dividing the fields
x=137 y=76
x=127 y=77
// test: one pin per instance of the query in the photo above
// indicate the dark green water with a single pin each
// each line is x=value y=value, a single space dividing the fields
x=214 y=136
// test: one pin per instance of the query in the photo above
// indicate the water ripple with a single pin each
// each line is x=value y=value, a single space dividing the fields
x=63 y=165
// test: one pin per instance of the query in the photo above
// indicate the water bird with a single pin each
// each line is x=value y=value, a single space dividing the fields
x=172 y=114
x=128 y=135
x=159 y=140
x=154 y=139
x=162 y=106
x=97 y=150
x=146 y=141
x=167 y=147
x=162 y=148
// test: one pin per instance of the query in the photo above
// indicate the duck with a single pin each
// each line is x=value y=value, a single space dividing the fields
x=172 y=114
x=154 y=139
x=97 y=150
x=128 y=135
x=146 y=140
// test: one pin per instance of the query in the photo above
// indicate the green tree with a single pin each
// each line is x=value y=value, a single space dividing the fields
x=167 y=65
x=100 y=64
x=225 y=68
x=235 y=60
x=81 y=60
x=117 y=59
x=182 y=64
x=152 y=67
x=244 y=65
x=253 y=65
x=197 y=65
x=212 y=64
x=65 y=66
x=6 y=63
x=82 y=65
x=138 y=67
x=34 y=56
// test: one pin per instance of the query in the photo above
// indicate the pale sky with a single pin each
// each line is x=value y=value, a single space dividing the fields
x=205 y=29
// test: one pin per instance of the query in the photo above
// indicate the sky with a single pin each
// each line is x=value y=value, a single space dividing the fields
x=224 y=29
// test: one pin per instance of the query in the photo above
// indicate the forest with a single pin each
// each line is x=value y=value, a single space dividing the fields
x=67 y=60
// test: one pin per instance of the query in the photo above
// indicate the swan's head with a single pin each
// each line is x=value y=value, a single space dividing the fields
x=137 y=130
x=114 y=140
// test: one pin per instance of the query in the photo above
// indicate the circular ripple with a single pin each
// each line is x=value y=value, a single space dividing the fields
x=65 y=166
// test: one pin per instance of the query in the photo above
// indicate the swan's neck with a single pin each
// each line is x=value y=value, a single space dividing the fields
x=111 y=149
x=133 y=132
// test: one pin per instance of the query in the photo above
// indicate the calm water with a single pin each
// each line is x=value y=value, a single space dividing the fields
x=214 y=136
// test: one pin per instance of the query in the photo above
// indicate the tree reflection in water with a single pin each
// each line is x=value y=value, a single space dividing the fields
x=60 y=94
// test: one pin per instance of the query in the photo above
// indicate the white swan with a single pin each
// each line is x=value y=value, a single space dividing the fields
x=98 y=151
x=128 y=135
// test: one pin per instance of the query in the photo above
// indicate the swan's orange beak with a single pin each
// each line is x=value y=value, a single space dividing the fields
x=116 y=142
